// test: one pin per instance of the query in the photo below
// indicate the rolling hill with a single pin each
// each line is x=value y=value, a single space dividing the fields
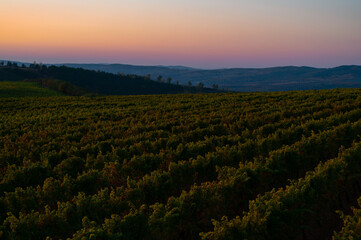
x=238 y=79
x=25 y=89
x=247 y=79
x=97 y=82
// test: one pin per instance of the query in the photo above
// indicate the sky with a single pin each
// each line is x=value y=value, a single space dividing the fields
x=198 y=33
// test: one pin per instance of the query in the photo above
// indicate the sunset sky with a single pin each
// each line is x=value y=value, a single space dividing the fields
x=199 y=33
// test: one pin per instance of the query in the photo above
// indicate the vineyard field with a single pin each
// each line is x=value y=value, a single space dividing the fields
x=277 y=165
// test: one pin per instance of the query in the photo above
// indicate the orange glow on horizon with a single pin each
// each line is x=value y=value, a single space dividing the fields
x=133 y=29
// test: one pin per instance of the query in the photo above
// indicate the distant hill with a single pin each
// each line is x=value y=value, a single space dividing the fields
x=179 y=67
x=247 y=79
x=95 y=82
x=243 y=79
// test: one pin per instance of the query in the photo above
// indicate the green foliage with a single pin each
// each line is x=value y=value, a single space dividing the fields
x=219 y=166
x=24 y=89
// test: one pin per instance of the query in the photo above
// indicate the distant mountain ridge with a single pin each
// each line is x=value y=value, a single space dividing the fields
x=247 y=79
x=244 y=79
x=179 y=67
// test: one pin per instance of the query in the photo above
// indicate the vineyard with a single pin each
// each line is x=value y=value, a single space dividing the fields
x=281 y=165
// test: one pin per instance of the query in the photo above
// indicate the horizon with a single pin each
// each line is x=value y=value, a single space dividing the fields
x=184 y=66
x=203 y=34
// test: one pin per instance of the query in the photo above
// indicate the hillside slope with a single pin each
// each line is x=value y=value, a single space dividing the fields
x=25 y=89
x=98 y=82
